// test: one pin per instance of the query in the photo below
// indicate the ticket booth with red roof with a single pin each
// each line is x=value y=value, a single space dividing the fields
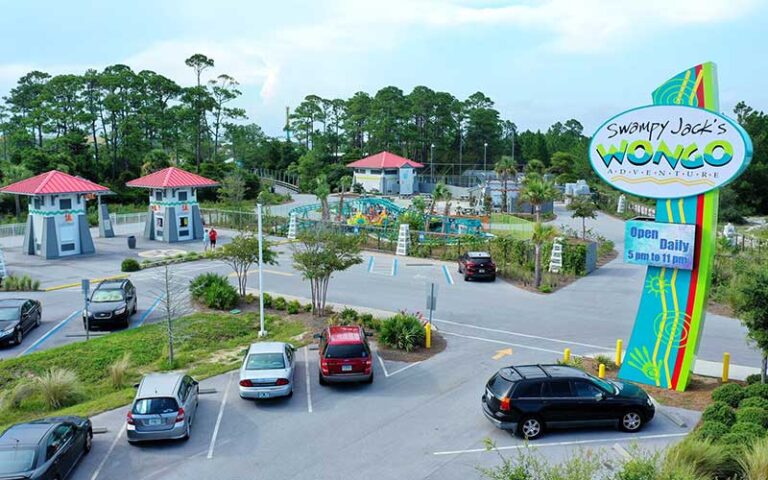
x=57 y=224
x=174 y=214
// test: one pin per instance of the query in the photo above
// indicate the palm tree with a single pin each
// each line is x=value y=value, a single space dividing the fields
x=322 y=190
x=537 y=192
x=582 y=207
x=439 y=193
x=345 y=183
x=447 y=197
x=541 y=235
x=504 y=168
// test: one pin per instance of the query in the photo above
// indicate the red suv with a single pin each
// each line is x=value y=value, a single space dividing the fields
x=477 y=265
x=345 y=355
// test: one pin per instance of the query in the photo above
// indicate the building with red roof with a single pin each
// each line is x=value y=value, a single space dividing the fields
x=57 y=223
x=386 y=173
x=174 y=214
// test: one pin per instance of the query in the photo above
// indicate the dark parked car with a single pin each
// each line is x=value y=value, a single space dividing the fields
x=477 y=265
x=111 y=304
x=529 y=398
x=17 y=317
x=345 y=355
x=44 y=449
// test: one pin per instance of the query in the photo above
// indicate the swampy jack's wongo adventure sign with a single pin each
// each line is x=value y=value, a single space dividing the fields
x=678 y=151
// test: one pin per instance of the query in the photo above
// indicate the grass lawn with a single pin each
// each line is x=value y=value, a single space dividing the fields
x=506 y=225
x=508 y=219
x=207 y=344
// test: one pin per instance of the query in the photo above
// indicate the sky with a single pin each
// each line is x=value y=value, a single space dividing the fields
x=541 y=61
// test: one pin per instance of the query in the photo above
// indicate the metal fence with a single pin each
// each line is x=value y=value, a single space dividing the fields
x=12 y=229
x=244 y=220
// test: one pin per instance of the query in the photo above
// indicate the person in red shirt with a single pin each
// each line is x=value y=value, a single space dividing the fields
x=212 y=234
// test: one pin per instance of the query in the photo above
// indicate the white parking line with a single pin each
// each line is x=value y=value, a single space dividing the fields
x=525 y=335
x=381 y=362
x=403 y=369
x=504 y=343
x=109 y=452
x=218 y=419
x=306 y=371
x=565 y=444
x=49 y=333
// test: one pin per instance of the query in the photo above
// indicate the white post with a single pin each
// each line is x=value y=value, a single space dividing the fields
x=262 y=332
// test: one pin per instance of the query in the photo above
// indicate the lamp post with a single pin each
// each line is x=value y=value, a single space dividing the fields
x=461 y=147
x=432 y=163
x=485 y=158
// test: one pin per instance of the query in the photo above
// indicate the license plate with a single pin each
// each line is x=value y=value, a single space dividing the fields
x=154 y=421
x=346 y=368
x=263 y=395
x=482 y=270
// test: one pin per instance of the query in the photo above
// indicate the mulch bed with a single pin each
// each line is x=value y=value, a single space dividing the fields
x=417 y=355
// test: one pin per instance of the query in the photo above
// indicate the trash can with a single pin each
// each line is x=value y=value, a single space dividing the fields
x=131 y=242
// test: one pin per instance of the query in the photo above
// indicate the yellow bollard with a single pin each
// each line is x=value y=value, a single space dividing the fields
x=726 y=366
x=601 y=371
x=428 y=341
x=567 y=355
x=618 y=352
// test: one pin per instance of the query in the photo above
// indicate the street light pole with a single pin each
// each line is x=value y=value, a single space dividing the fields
x=461 y=147
x=432 y=163
x=485 y=158
x=262 y=332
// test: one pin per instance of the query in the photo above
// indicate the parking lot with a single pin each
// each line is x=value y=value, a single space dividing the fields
x=426 y=415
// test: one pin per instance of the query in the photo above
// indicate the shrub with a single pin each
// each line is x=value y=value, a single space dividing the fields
x=545 y=289
x=704 y=458
x=758 y=402
x=267 y=300
x=279 y=303
x=18 y=394
x=403 y=331
x=757 y=390
x=748 y=428
x=221 y=296
x=754 y=462
x=719 y=412
x=119 y=370
x=605 y=360
x=349 y=315
x=711 y=430
x=730 y=393
x=249 y=298
x=130 y=265
x=59 y=387
x=753 y=415
x=753 y=378
x=369 y=322
x=202 y=283
x=24 y=283
x=307 y=307
x=293 y=307
x=639 y=468
x=574 y=361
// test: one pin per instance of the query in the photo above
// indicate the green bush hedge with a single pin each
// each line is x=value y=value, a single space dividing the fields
x=748 y=428
x=712 y=430
x=758 y=402
x=753 y=378
x=719 y=412
x=293 y=307
x=403 y=331
x=279 y=303
x=214 y=291
x=756 y=390
x=730 y=393
x=753 y=415
x=130 y=265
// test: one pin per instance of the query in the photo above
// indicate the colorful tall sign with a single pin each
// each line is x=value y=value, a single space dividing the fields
x=678 y=151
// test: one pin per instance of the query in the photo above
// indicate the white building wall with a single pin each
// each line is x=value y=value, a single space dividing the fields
x=64 y=209
x=181 y=199
x=369 y=181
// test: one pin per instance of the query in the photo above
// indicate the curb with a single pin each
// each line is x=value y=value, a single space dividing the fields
x=671 y=416
x=77 y=284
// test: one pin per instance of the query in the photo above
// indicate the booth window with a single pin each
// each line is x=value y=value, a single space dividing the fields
x=182 y=196
x=38 y=203
x=65 y=204
x=159 y=195
x=67 y=247
x=183 y=222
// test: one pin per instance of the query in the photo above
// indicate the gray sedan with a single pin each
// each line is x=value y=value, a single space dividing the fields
x=267 y=370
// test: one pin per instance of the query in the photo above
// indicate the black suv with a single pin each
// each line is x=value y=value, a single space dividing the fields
x=111 y=304
x=477 y=265
x=528 y=398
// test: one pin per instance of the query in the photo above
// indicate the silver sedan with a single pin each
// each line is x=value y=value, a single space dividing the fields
x=267 y=370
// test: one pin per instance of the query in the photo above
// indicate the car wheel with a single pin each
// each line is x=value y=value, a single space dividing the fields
x=18 y=337
x=466 y=277
x=631 y=421
x=37 y=321
x=88 y=442
x=321 y=379
x=493 y=278
x=530 y=428
x=290 y=394
x=187 y=432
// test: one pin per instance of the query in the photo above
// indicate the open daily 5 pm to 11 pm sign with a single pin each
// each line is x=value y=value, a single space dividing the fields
x=659 y=244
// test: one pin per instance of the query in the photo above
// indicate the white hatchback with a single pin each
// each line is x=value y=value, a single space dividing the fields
x=267 y=370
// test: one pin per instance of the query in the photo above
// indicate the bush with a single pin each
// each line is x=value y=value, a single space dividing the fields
x=758 y=402
x=574 y=361
x=221 y=296
x=18 y=394
x=403 y=331
x=130 y=265
x=719 y=412
x=293 y=307
x=711 y=430
x=369 y=323
x=639 y=468
x=59 y=387
x=349 y=315
x=605 y=360
x=267 y=300
x=748 y=428
x=730 y=393
x=119 y=370
x=201 y=283
x=704 y=458
x=753 y=378
x=24 y=283
x=279 y=303
x=753 y=415
x=757 y=390
x=249 y=298
x=307 y=307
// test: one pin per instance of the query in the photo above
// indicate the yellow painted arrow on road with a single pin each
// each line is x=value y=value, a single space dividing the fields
x=502 y=353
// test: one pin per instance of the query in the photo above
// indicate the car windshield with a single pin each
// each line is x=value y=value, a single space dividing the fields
x=16 y=460
x=155 y=406
x=607 y=386
x=265 y=361
x=103 y=296
x=356 y=350
x=8 y=314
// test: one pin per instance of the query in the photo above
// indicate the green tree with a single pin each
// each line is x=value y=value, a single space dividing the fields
x=321 y=191
x=536 y=191
x=583 y=207
x=232 y=189
x=439 y=194
x=534 y=166
x=562 y=165
x=199 y=63
x=541 y=234
x=224 y=90
x=155 y=160
x=242 y=253
x=344 y=185
x=750 y=301
x=318 y=253
x=505 y=168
